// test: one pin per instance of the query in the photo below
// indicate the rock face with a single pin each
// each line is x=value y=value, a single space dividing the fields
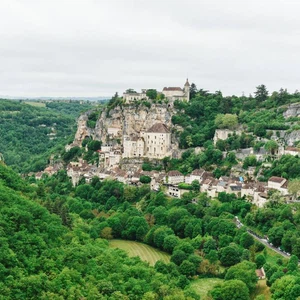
x=292 y=138
x=82 y=130
x=124 y=120
x=292 y=111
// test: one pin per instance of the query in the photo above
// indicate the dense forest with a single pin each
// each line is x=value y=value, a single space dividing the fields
x=56 y=256
x=30 y=134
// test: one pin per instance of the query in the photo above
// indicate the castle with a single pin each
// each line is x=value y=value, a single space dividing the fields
x=170 y=93
x=152 y=143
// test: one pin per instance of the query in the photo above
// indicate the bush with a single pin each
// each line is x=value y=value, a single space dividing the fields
x=145 y=179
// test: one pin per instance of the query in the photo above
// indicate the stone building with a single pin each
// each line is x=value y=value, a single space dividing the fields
x=129 y=97
x=170 y=93
x=153 y=143
x=177 y=93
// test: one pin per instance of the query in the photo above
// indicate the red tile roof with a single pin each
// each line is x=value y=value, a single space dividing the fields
x=172 y=89
x=276 y=179
x=175 y=173
x=159 y=128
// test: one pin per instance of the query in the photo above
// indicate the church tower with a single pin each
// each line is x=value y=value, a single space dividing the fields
x=186 y=89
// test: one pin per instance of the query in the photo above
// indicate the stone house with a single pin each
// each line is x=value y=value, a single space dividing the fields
x=130 y=97
x=195 y=175
x=177 y=93
x=170 y=93
x=276 y=182
x=174 y=177
x=292 y=151
x=153 y=143
x=175 y=191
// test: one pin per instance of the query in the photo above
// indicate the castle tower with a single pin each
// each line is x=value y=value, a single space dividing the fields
x=186 y=89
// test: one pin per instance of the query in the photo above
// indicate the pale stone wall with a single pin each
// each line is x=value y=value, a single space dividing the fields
x=150 y=144
x=157 y=144
x=171 y=94
x=175 y=179
x=127 y=146
x=275 y=185
x=134 y=96
x=223 y=134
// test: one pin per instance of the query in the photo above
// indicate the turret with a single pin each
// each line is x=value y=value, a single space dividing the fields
x=186 y=89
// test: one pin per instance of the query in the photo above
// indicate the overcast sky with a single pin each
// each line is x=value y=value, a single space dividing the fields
x=98 y=47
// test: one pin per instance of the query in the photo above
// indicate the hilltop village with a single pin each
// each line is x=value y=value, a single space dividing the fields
x=130 y=136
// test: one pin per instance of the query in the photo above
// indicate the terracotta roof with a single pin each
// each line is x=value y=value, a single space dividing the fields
x=259 y=273
x=206 y=181
x=276 y=179
x=159 y=128
x=198 y=172
x=292 y=149
x=172 y=89
x=207 y=174
x=175 y=173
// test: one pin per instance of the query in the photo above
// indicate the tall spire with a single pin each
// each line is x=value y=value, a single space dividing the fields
x=187 y=82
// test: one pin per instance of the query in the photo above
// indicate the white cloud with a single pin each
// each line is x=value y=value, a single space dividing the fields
x=92 y=48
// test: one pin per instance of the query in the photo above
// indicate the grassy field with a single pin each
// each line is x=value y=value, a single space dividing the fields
x=273 y=256
x=37 y=104
x=145 y=252
x=261 y=289
x=204 y=285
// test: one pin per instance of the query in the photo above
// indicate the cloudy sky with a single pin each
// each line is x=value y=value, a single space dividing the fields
x=98 y=47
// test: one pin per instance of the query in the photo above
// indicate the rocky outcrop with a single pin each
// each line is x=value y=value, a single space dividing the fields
x=292 y=138
x=292 y=111
x=82 y=130
x=124 y=120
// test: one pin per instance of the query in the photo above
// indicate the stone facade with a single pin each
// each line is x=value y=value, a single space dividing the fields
x=153 y=143
x=223 y=134
x=170 y=93
x=129 y=97
x=177 y=93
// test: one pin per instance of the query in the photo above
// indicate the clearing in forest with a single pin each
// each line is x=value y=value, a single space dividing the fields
x=203 y=285
x=145 y=252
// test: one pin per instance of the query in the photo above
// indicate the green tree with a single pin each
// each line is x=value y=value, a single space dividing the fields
x=145 y=179
x=170 y=242
x=294 y=188
x=187 y=268
x=231 y=290
x=244 y=271
x=286 y=287
x=229 y=256
x=229 y=121
x=152 y=94
x=246 y=240
x=260 y=260
x=271 y=146
x=261 y=93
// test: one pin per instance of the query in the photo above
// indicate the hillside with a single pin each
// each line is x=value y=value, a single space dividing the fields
x=43 y=259
x=29 y=134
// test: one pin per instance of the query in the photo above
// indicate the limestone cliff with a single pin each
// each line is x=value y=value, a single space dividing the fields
x=112 y=125
x=292 y=111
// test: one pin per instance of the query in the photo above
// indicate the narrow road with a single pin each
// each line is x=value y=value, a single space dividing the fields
x=265 y=242
x=239 y=224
